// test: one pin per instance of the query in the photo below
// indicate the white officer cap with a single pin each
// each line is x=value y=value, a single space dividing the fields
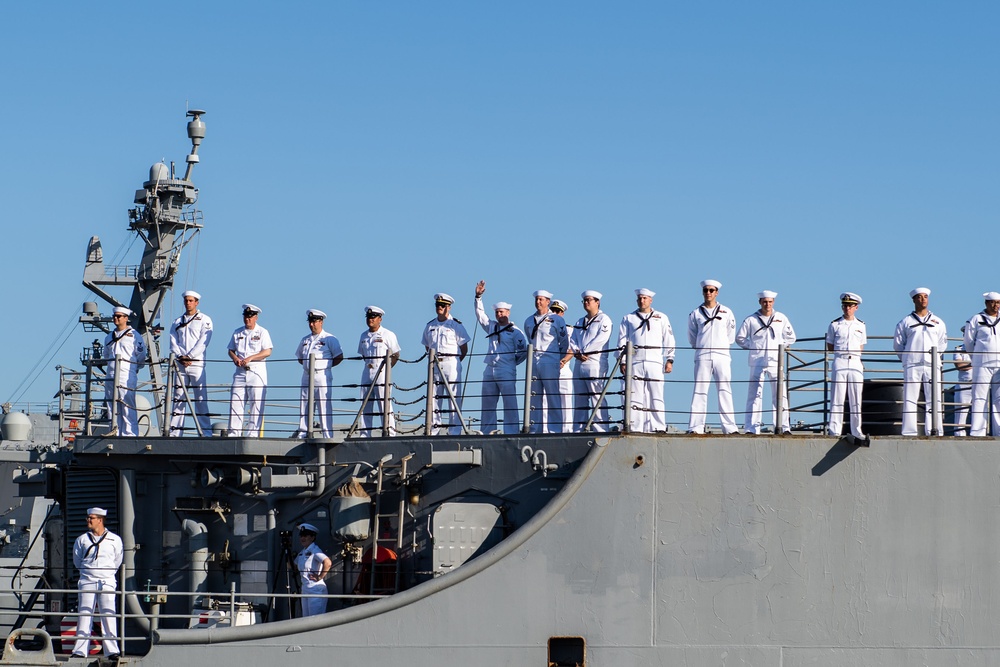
x=592 y=293
x=850 y=297
x=561 y=305
x=767 y=294
x=711 y=283
x=313 y=313
x=97 y=511
x=446 y=299
x=642 y=291
x=992 y=296
x=308 y=527
x=121 y=310
x=501 y=305
x=373 y=310
x=251 y=308
x=542 y=293
x=919 y=290
x=191 y=292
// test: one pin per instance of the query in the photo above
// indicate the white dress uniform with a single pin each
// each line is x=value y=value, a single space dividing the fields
x=848 y=338
x=98 y=560
x=761 y=336
x=982 y=341
x=507 y=347
x=446 y=339
x=913 y=340
x=710 y=333
x=322 y=348
x=591 y=337
x=962 y=391
x=547 y=333
x=250 y=382
x=189 y=337
x=373 y=347
x=310 y=561
x=127 y=352
x=653 y=339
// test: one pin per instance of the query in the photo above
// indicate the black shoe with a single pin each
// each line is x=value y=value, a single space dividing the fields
x=114 y=656
x=77 y=655
x=786 y=433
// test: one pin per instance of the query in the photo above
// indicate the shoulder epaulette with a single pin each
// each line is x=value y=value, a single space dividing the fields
x=432 y=320
x=457 y=320
x=836 y=320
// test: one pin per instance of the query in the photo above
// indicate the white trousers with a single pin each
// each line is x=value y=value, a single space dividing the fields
x=587 y=387
x=913 y=377
x=312 y=606
x=374 y=405
x=248 y=393
x=546 y=400
x=846 y=382
x=322 y=402
x=647 y=397
x=566 y=394
x=126 y=417
x=450 y=372
x=500 y=382
x=193 y=378
x=962 y=399
x=96 y=596
x=985 y=394
x=759 y=374
x=707 y=369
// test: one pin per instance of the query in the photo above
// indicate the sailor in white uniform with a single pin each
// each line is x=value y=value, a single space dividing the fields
x=589 y=343
x=916 y=335
x=249 y=346
x=126 y=352
x=321 y=350
x=761 y=334
x=846 y=337
x=450 y=342
x=507 y=348
x=97 y=554
x=565 y=372
x=546 y=332
x=376 y=342
x=652 y=338
x=982 y=343
x=711 y=330
x=313 y=566
x=190 y=335
x=962 y=388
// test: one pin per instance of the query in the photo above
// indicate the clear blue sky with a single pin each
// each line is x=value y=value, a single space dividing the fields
x=378 y=152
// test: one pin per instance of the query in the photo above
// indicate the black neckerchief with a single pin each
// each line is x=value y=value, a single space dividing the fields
x=497 y=330
x=926 y=322
x=184 y=324
x=95 y=545
x=115 y=339
x=765 y=325
x=644 y=321
x=992 y=325
x=708 y=320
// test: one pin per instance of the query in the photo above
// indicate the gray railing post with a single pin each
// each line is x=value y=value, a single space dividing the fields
x=627 y=375
x=936 y=428
x=429 y=410
x=528 y=370
x=779 y=393
x=115 y=393
x=386 y=396
x=311 y=400
x=168 y=398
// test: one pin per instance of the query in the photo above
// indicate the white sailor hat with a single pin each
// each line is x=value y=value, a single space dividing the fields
x=97 y=511
x=711 y=283
x=446 y=299
x=992 y=296
x=561 y=305
x=850 y=297
x=254 y=310
x=373 y=310
x=315 y=313
x=545 y=294
x=308 y=527
x=502 y=305
x=919 y=290
x=592 y=293
x=642 y=291
x=766 y=294
x=191 y=292
x=121 y=310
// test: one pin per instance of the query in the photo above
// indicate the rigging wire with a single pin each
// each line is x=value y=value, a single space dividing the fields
x=46 y=357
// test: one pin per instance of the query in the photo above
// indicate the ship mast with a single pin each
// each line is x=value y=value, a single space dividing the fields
x=166 y=220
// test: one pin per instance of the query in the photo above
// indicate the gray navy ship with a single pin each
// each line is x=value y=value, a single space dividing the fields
x=595 y=548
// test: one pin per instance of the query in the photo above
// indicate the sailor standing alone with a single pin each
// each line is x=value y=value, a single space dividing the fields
x=97 y=554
